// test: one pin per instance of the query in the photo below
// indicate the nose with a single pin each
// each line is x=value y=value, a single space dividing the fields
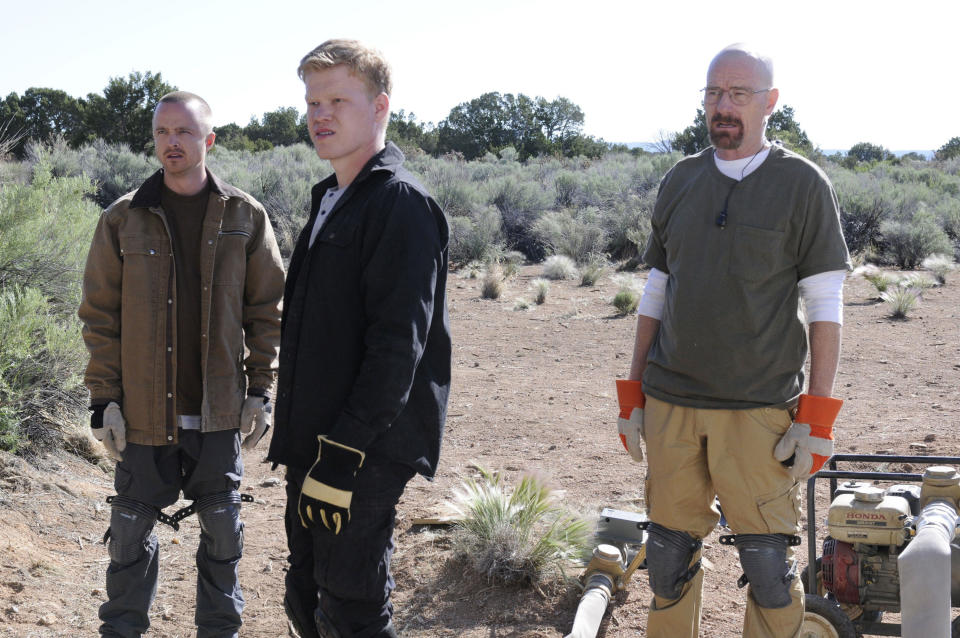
x=320 y=112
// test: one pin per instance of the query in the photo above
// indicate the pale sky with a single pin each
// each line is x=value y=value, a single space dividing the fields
x=853 y=71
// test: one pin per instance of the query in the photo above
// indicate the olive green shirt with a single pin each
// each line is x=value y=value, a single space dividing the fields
x=730 y=335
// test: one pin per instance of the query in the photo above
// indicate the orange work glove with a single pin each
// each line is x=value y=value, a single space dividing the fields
x=808 y=444
x=630 y=423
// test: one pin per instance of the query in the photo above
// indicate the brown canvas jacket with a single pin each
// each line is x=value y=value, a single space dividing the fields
x=129 y=310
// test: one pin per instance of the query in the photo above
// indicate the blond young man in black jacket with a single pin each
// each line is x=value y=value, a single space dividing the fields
x=365 y=353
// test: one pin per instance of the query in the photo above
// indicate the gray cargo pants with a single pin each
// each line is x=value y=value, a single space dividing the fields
x=207 y=467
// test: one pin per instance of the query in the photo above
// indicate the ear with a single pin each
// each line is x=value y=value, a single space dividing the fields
x=772 y=96
x=209 y=140
x=381 y=105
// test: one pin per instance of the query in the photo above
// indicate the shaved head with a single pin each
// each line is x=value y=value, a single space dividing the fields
x=763 y=65
x=194 y=101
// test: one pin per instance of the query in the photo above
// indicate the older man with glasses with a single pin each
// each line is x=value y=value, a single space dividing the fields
x=740 y=233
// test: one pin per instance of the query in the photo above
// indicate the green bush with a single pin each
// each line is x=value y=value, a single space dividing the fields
x=45 y=230
x=626 y=301
x=475 y=238
x=908 y=243
x=576 y=234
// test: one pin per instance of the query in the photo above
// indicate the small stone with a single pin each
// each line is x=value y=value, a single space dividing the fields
x=166 y=613
x=47 y=621
x=920 y=447
x=930 y=438
x=97 y=593
x=13 y=610
x=273 y=481
x=175 y=540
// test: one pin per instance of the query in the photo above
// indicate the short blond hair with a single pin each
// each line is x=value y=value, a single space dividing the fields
x=366 y=63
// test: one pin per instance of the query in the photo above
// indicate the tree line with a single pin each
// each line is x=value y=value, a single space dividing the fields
x=122 y=113
x=532 y=126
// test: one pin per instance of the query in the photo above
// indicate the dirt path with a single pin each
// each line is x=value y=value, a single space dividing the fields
x=533 y=391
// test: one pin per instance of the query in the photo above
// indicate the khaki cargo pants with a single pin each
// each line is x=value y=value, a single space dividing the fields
x=694 y=454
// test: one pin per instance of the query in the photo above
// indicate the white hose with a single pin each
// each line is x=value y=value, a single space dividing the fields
x=925 y=574
x=593 y=604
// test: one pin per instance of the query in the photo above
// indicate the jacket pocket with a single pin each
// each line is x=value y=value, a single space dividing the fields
x=146 y=262
x=757 y=253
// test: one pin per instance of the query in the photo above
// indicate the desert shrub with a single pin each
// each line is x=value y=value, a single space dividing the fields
x=939 y=265
x=880 y=279
x=576 y=234
x=514 y=257
x=901 y=300
x=566 y=185
x=519 y=536
x=626 y=223
x=492 y=285
x=918 y=281
x=907 y=243
x=628 y=294
x=591 y=273
x=626 y=301
x=540 y=289
x=475 y=238
x=521 y=304
x=520 y=204
x=45 y=230
x=559 y=267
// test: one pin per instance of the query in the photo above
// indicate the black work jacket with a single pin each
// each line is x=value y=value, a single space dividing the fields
x=365 y=344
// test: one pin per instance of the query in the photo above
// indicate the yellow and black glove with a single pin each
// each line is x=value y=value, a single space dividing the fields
x=328 y=489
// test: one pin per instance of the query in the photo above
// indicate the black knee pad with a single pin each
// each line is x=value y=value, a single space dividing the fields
x=669 y=554
x=130 y=525
x=221 y=529
x=765 y=567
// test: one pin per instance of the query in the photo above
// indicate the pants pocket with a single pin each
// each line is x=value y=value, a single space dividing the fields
x=781 y=512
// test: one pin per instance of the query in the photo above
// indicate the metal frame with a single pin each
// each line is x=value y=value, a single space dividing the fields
x=868 y=628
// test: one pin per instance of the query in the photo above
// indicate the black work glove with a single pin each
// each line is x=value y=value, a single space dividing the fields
x=328 y=489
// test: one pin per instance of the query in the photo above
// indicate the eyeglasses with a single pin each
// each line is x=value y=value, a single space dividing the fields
x=738 y=95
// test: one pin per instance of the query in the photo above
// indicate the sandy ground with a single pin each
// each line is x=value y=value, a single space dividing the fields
x=533 y=391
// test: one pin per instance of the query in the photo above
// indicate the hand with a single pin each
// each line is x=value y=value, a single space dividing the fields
x=254 y=420
x=808 y=444
x=630 y=423
x=328 y=489
x=109 y=428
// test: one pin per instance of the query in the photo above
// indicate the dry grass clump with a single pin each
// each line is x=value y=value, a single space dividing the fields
x=519 y=536
x=881 y=279
x=559 y=267
x=901 y=300
x=541 y=287
x=591 y=273
x=940 y=265
x=492 y=285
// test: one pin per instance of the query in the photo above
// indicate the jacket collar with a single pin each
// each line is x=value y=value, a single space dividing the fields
x=148 y=195
x=389 y=159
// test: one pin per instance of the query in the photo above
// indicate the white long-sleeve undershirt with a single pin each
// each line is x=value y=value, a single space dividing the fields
x=822 y=295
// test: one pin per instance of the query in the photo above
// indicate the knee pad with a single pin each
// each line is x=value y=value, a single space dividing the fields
x=221 y=529
x=765 y=567
x=669 y=557
x=130 y=525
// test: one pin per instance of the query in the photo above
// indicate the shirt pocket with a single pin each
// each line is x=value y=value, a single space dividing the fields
x=757 y=253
